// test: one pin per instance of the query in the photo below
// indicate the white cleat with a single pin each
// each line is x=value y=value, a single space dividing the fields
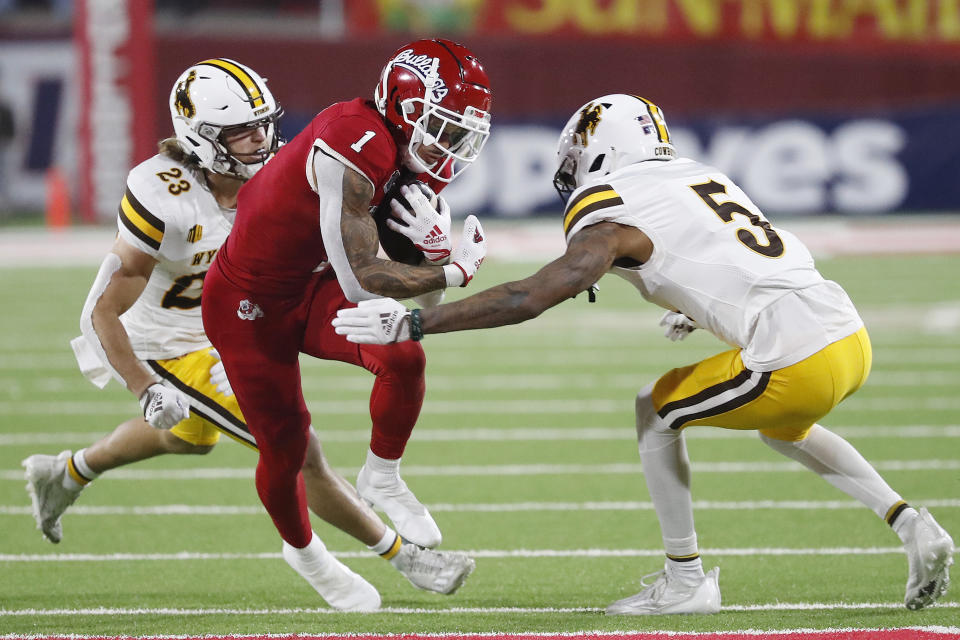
x=389 y=493
x=439 y=571
x=929 y=553
x=48 y=496
x=668 y=594
x=334 y=581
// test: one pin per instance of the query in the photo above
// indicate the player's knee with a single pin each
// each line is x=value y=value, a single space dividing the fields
x=649 y=424
x=646 y=413
x=285 y=446
x=177 y=445
x=782 y=437
x=315 y=464
x=405 y=359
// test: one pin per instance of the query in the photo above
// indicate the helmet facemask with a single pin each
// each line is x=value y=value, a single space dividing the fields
x=241 y=166
x=457 y=138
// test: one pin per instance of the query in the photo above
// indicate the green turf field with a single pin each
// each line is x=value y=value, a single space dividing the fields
x=525 y=452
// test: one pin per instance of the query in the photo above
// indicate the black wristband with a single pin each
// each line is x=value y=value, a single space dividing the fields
x=416 y=328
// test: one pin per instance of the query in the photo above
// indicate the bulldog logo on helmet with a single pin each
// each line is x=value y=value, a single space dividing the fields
x=425 y=67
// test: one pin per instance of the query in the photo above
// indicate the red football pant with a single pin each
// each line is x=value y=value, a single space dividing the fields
x=260 y=358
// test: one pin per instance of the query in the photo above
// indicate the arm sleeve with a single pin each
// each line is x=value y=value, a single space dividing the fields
x=325 y=170
x=91 y=357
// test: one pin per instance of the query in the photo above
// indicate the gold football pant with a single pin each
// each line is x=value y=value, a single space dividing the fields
x=210 y=411
x=782 y=404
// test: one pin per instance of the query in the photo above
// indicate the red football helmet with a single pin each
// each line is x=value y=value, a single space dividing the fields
x=435 y=92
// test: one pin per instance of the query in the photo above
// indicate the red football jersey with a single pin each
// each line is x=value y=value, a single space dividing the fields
x=276 y=242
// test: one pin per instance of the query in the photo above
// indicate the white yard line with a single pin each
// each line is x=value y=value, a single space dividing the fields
x=886 y=404
x=105 y=611
x=505 y=507
x=517 y=470
x=476 y=553
x=532 y=434
x=526 y=634
x=585 y=383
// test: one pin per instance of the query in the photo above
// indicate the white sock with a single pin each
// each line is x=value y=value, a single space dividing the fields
x=387 y=543
x=901 y=526
x=384 y=466
x=79 y=474
x=311 y=558
x=688 y=570
x=839 y=463
x=80 y=461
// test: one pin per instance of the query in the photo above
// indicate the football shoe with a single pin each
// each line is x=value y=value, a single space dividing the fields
x=334 y=581
x=389 y=493
x=929 y=554
x=48 y=497
x=669 y=594
x=439 y=571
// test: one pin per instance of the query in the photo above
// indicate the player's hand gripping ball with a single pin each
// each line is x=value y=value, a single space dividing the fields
x=396 y=239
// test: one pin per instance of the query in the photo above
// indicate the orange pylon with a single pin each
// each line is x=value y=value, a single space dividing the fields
x=58 y=199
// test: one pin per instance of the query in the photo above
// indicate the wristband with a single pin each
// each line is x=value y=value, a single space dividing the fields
x=416 y=327
x=456 y=277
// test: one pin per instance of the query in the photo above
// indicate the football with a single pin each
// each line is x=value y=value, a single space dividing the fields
x=396 y=245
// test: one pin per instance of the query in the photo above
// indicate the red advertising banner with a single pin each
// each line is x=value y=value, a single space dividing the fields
x=115 y=52
x=923 y=23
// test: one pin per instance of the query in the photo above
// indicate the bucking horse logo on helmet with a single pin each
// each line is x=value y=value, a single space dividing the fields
x=183 y=103
x=587 y=125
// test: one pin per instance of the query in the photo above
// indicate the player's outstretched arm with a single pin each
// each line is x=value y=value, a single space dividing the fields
x=589 y=255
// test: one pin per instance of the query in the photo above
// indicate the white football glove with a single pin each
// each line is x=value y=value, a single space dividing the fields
x=164 y=407
x=428 y=226
x=468 y=256
x=218 y=375
x=378 y=321
x=678 y=326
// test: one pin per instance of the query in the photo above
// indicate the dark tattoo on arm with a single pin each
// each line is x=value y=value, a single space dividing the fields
x=589 y=255
x=360 y=242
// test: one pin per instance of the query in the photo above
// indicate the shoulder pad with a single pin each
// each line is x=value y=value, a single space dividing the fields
x=588 y=200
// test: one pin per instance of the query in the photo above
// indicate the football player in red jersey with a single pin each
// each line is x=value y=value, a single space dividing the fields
x=305 y=244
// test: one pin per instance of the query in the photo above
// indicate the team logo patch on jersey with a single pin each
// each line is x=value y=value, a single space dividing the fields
x=249 y=310
x=195 y=233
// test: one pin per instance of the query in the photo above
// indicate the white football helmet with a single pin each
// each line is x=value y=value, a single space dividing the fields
x=606 y=134
x=219 y=94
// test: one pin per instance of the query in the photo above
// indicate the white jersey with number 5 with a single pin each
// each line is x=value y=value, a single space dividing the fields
x=168 y=213
x=718 y=260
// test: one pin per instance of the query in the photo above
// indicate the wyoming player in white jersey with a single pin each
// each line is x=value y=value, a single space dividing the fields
x=142 y=326
x=692 y=242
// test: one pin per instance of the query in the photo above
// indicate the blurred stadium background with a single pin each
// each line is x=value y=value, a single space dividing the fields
x=841 y=119
x=839 y=107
